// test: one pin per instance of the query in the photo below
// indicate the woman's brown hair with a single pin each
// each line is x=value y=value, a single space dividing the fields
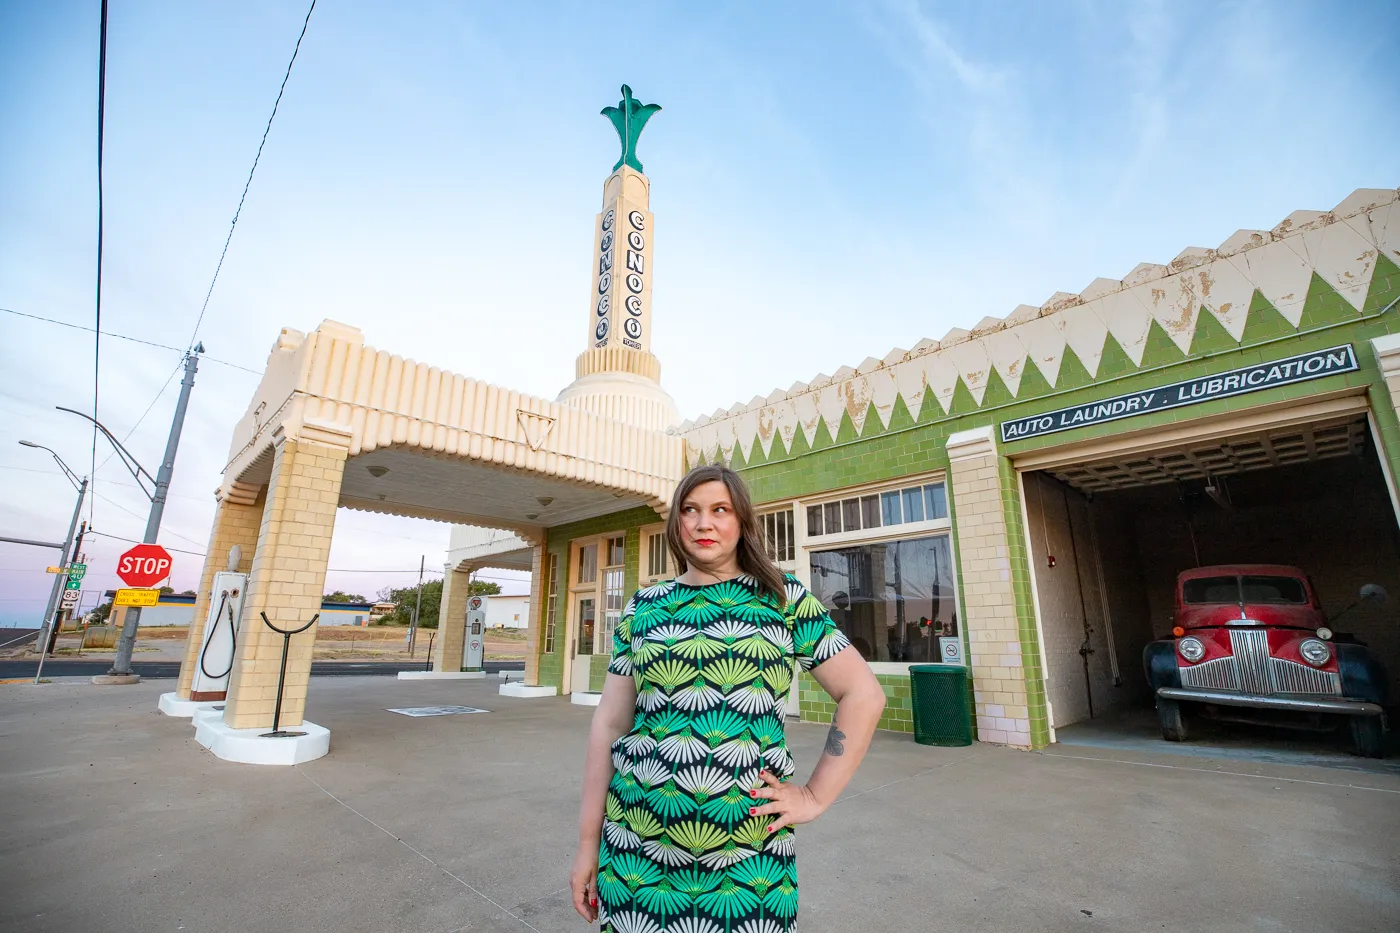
x=753 y=559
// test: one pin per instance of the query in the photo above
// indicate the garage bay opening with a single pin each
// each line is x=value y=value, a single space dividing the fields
x=1110 y=536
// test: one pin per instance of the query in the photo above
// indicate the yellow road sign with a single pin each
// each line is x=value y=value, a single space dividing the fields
x=53 y=570
x=136 y=597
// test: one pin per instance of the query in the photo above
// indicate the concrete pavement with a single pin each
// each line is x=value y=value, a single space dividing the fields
x=116 y=820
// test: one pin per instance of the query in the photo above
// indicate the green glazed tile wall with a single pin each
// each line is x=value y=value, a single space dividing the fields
x=815 y=705
x=557 y=543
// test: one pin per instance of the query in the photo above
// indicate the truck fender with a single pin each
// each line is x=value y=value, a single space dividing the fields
x=1159 y=664
x=1363 y=675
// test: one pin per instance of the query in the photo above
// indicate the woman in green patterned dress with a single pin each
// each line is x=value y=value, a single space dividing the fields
x=688 y=810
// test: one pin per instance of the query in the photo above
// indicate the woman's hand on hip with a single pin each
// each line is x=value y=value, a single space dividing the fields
x=792 y=803
x=583 y=881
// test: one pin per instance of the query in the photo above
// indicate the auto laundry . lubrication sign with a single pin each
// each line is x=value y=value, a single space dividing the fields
x=1305 y=366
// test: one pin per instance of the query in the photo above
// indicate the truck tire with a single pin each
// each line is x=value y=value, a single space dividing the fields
x=1173 y=723
x=1369 y=735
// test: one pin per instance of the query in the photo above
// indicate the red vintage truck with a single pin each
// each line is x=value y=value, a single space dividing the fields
x=1250 y=642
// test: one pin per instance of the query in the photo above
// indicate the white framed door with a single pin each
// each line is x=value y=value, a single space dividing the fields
x=585 y=631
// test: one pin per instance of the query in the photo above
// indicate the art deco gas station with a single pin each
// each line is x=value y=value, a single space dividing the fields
x=1017 y=496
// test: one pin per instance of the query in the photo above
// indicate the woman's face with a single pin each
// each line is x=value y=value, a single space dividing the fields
x=710 y=528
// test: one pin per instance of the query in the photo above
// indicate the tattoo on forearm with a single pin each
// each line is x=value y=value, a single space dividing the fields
x=834 y=738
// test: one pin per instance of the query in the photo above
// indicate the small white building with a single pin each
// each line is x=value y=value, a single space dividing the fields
x=508 y=611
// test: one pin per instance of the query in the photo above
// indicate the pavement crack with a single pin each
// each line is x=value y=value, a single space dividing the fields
x=400 y=840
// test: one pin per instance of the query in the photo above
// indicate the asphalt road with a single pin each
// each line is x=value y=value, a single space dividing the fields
x=156 y=670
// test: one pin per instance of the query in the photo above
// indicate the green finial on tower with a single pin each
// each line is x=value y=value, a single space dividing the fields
x=628 y=117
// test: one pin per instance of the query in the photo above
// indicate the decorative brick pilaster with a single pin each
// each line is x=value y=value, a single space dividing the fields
x=1003 y=646
x=452 y=620
x=538 y=598
x=236 y=522
x=288 y=579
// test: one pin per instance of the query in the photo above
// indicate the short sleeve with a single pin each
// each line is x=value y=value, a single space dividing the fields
x=816 y=639
x=621 y=662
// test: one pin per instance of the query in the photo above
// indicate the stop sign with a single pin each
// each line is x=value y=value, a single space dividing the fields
x=144 y=565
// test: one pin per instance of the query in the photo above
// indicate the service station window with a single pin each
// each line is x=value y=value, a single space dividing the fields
x=551 y=576
x=893 y=599
x=656 y=556
x=885 y=509
x=779 y=539
x=597 y=592
x=882 y=565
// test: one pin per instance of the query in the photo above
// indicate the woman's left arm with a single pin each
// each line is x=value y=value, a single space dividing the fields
x=859 y=702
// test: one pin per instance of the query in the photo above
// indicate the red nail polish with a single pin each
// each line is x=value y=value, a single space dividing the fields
x=753 y=793
x=770 y=829
x=595 y=902
x=752 y=811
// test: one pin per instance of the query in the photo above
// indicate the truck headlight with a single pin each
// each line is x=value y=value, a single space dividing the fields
x=1315 y=652
x=1191 y=648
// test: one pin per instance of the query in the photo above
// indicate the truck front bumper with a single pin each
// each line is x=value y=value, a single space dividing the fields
x=1299 y=704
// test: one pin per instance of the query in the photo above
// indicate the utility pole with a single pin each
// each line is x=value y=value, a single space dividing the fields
x=417 y=606
x=57 y=618
x=67 y=554
x=121 y=667
x=49 y=631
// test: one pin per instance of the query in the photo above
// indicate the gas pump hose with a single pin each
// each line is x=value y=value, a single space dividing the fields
x=233 y=632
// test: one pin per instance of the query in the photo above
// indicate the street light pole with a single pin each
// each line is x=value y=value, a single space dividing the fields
x=121 y=666
x=120 y=672
x=50 y=611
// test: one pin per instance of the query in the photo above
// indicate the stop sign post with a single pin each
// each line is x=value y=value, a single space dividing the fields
x=144 y=566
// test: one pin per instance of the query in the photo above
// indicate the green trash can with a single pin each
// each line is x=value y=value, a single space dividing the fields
x=942 y=704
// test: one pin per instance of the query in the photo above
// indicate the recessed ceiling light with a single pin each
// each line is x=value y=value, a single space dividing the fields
x=532 y=515
x=544 y=501
x=377 y=471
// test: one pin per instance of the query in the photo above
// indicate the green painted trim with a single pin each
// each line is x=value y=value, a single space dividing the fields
x=1018 y=552
x=953 y=538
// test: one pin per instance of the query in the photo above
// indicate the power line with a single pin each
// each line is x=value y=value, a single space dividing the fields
x=134 y=515
x=103 y=534
x=149 y=343
x=144 y=413
x=97 y=323
x=249 y=182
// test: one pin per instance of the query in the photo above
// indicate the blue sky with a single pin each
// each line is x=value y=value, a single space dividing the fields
x=830 y=181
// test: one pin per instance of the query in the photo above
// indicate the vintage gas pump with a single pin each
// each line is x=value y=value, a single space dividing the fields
x=220 y=637
x=474 y=645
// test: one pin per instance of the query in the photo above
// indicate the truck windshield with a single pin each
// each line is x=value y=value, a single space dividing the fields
x=1252 y=589
x=1274 y=590
x=1211 y=590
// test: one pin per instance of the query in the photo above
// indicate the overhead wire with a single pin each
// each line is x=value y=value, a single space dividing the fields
x=246 y=185
x=159 y=394
x=204 y=358
x=97 y=323
x=143 y=518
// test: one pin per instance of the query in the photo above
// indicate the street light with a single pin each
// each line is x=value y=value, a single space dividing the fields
x=160 y=487
x=52 y=610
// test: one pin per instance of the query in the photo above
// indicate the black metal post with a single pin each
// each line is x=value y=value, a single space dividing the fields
x=277 y=733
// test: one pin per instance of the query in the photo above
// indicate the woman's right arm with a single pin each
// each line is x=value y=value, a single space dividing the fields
x=611 y=721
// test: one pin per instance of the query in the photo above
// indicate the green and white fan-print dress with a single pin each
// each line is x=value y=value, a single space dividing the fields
x=713 y=666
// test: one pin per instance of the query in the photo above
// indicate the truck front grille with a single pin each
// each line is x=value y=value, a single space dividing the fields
x=1251 y=670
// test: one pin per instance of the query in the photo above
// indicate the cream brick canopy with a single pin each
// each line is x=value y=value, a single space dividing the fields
x=1341 y=246
x=480 y=454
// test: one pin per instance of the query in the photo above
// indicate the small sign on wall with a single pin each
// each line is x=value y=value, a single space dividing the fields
x=950 y=649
